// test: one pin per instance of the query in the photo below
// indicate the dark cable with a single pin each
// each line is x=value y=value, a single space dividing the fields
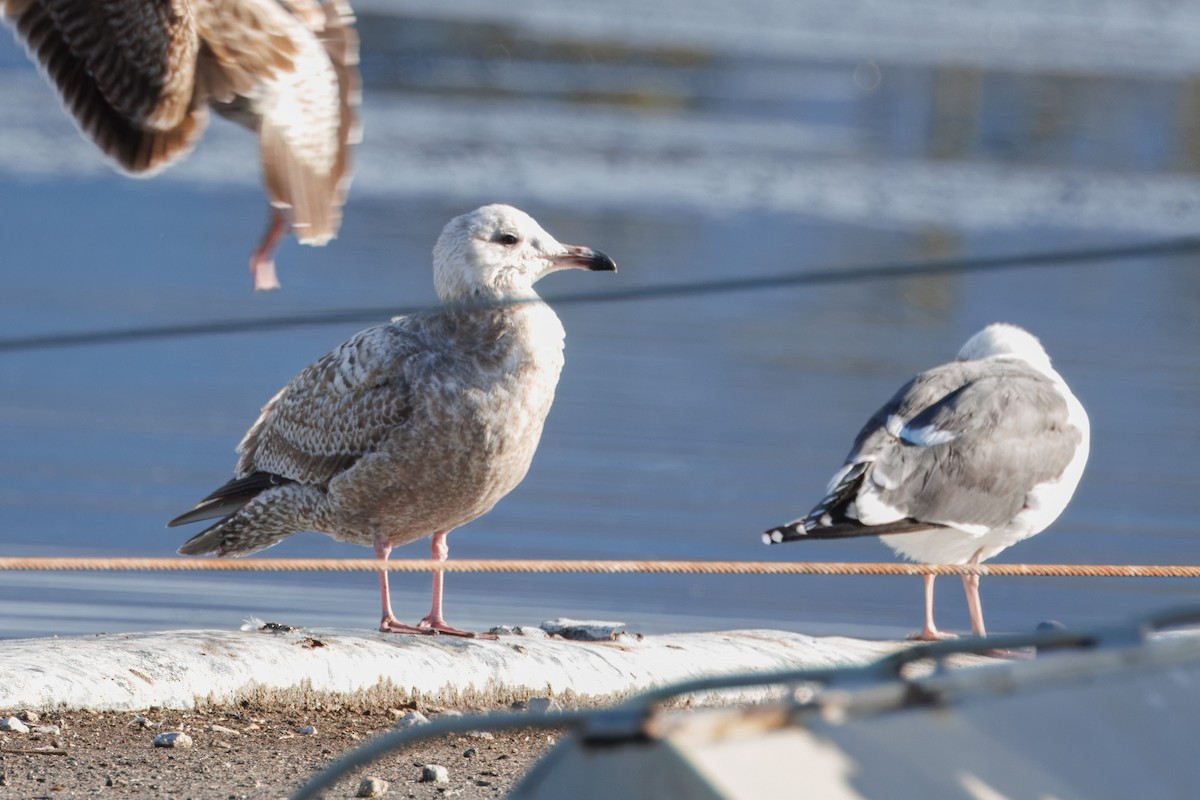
x=1056 y=258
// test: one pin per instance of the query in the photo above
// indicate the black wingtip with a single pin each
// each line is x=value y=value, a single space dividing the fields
x=785 y=533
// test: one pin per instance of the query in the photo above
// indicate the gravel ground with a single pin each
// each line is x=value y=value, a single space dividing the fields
x=248 y=753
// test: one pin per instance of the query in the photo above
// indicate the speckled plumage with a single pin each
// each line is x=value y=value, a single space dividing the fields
x=964 y=461
x=138 y=77
x=416 y=427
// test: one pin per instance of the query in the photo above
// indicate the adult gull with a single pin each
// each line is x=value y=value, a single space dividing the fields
x=412 y=428
x=138 y=78
x=965 y=460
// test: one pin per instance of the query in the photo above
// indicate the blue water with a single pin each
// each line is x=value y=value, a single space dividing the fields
x=683 y=427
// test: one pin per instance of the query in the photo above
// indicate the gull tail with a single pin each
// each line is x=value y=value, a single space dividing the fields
x=810 y=529
x=230 y=498
x=256 y=511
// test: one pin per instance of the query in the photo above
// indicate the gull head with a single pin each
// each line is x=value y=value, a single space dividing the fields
x=498 y=252
x=1001 y=340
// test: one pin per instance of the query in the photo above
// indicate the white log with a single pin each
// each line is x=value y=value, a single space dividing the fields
x=178 y=669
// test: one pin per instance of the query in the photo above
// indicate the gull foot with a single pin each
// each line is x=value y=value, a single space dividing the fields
x=931 y=635
x=437 y=625
x=393 y=625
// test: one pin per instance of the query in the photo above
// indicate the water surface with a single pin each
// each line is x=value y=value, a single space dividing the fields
x=689 y=150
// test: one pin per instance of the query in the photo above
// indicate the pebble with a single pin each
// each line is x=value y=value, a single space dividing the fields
x=412 y=718
x=372 y=787
x=481 y=734
x=544 y=705
x=470 y=752
x=307 y=730
x=583 y=630
x=142 y=722
x=173 y=739
x=29 y=716
x=50 y=730
x=215 y=728
x=434 y=773
x=518 y=630
x=13 y=725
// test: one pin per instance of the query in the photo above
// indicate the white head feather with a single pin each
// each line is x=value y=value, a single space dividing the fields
x=498 y=252
x=1001 y=340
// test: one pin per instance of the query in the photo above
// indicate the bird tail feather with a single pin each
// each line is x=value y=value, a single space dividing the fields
x=798 y=531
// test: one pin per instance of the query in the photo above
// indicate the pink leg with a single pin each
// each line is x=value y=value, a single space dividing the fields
x=930 y=633
x=389 y=623
x=434 y=622
x=974 y=605
x=262 y=261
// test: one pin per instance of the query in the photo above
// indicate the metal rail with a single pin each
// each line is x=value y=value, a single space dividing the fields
x=631 y=716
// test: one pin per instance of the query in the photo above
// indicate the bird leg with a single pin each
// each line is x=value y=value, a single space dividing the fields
x=974 y=605
x=389 y=623
x=434 y=622
x=262 y=260
x=929 y=633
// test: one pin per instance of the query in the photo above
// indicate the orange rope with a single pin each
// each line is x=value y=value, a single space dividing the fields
x=656 y=567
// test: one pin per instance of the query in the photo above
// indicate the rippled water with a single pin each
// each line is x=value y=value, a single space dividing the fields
x=688 y=150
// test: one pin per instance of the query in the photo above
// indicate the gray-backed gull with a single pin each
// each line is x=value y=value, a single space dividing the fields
x=965 y=460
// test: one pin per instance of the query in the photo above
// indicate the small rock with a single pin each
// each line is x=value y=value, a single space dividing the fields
x=518 y=630
x=215 y=728
x=434 y=773
x=50 y=730
x=412 y=718
x=13 y=725
x=583 y=630
x=372 y=787
x=481 y=735
x=221 y=743
x=307 y=730
x=142 y=722
x=544 y=705
x=173 y=739
x=29 y=716
x=470 y=752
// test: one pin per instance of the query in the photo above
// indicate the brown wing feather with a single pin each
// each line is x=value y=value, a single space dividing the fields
x=249 y=41
x=306 y=114
x=124 y=71
x=337 y=410
x=340 y=40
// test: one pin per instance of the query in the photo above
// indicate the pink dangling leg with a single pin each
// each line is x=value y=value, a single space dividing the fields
x=262 y=261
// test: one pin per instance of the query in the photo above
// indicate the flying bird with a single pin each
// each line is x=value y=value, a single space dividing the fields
x=965 y=460
x=139 y=76
x=412 y=428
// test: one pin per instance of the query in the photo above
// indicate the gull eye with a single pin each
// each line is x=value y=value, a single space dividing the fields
x=506 y=239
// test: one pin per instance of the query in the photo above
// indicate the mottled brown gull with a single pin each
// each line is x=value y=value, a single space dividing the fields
x=964 y=461
x=412 y=428
x=138 y=77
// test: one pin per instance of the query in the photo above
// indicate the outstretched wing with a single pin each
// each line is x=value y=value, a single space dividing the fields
x=304 y=108
x=125 y=71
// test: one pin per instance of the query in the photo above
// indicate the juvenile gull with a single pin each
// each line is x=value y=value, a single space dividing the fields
x=138 y=77
x=964 y=461
x=412 y=428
